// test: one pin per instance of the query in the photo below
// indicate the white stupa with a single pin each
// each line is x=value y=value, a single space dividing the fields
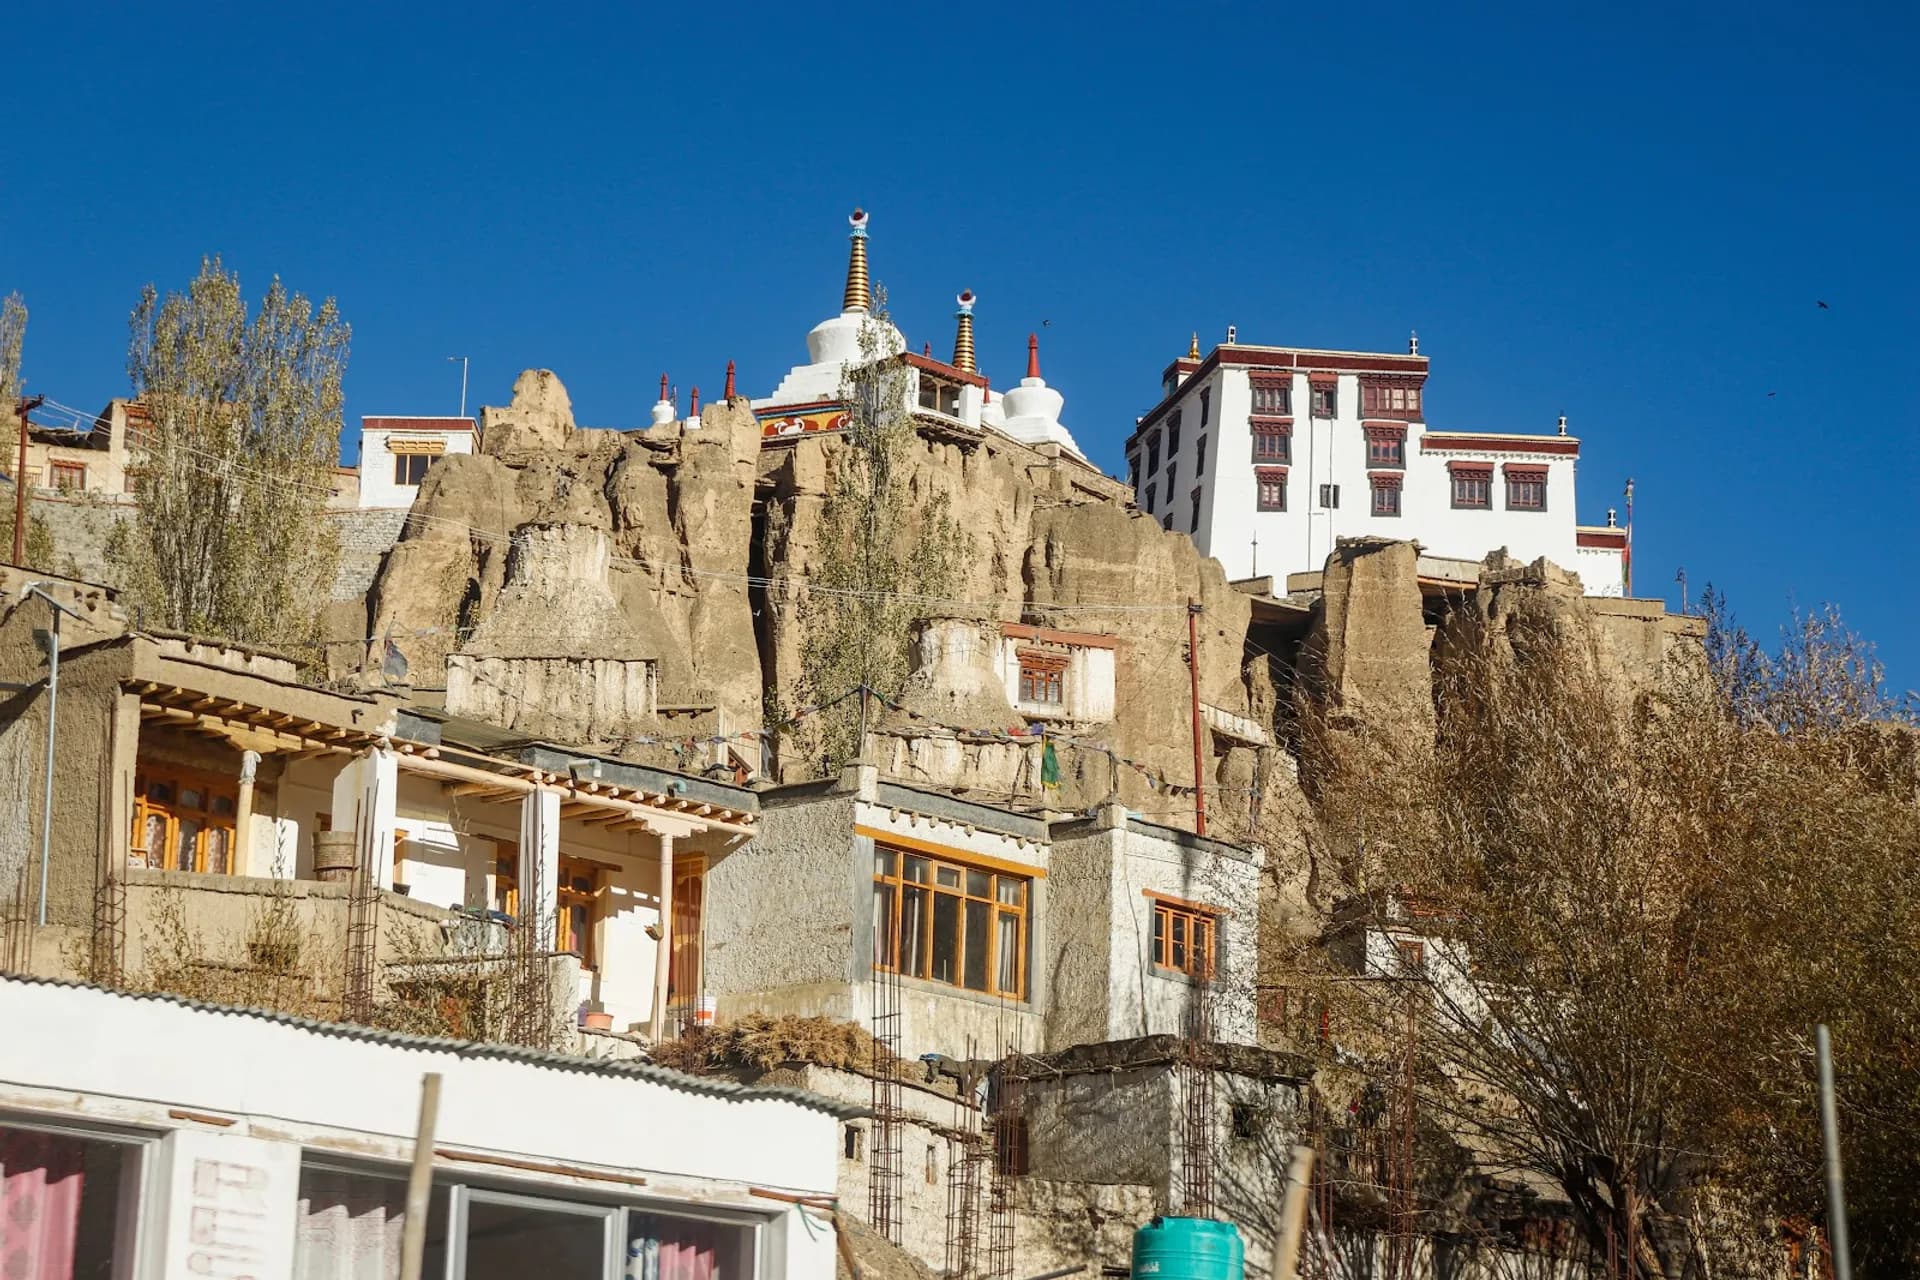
x=1030 y=413
x=663 y=407
x=834 y=343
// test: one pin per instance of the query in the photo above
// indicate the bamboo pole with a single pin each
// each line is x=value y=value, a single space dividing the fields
x=413 y=1234
x=1293 y=1215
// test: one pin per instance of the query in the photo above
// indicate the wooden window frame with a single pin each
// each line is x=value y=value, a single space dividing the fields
x=1410 y=954
x=686 y=950
x=66 y=475
x=1193 y=510
x=1266 y=433
x=1471 y=499
x=1043 y=677
x=1386 y=495
x=1150 y=495
x=171 y=811
x=891 y=885
x=404 y=465
x=1387 y=448
x=1324 y=400
x=1173 y=438
x=568 y=896
x=1184 y=926
x=1206 y=407
x=504 y=893
x=1272 y=396
x=938 y=395
x=1526 y=488
x=1199 y=457
x=1390 y=398
x=1264 y=476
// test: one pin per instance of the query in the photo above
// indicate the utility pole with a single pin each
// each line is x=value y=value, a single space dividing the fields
x=463 y=383
x=1193 y=670
x=1830 y=1137
x=26 y=406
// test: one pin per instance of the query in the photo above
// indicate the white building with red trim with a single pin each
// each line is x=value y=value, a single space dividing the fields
x=396 y=452
x=1268 y=455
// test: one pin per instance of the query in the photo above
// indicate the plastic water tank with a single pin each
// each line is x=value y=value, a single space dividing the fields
x=1188 y=1249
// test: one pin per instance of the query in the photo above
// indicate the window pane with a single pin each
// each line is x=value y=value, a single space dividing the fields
x=185 y=844
x=513 y=1240
x=1010 y=890
x=62 y=1202
x=946 y=938
x=947 y=877
x=978 y=920
x=913 y=932
x=666 y=1248
x=883 y=862
x=189 y=799
x=217 y=851
x=916 y=869
x=979 y=884
x=350 y=1225
x=883 y=924
x=1178 y=932
x=1007 y=980
x=1159 y=936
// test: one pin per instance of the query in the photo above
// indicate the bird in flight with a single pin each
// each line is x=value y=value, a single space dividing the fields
x=1772 y=394
x=1823 y=306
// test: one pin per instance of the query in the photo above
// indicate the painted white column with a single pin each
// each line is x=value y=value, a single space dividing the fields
x=540 y=863
x=663 y=962
x=364 y=794
x=226 y=1205
x=241 y=858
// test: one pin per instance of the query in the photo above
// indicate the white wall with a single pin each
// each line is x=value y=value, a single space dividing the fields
x=1601 y=571
x=1087 y=683
x=377 y=487
x=1334 y=451
x=78 y=1054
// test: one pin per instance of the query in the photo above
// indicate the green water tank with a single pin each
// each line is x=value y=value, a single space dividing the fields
x=1188 y=1249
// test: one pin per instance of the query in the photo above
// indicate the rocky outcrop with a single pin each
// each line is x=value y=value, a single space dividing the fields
x=1367 y=654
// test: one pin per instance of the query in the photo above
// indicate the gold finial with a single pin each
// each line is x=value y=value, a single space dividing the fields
x=858 y=296
x=1193 y=348
x=963 y=336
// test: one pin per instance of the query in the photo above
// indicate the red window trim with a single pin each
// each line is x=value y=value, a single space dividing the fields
x=1270 y=381
x=1470 y=468
x=1385 y=430
x=1263 y=422
x=1265 y=476
x=1387 y=479
x=1524 y=471
x=1318 y=379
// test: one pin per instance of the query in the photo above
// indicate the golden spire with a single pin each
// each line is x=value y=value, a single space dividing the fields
x=858 y=297
x=963 y=336
x=1193 y=348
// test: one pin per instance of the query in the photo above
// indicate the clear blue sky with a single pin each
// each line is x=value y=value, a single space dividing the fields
x=1627 y=217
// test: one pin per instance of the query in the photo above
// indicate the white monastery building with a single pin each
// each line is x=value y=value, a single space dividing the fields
x=1267 y=455
x=396 y=452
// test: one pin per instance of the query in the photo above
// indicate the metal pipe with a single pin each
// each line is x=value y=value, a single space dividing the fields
x=1830 y=1135
x=1193 y=670
x=46 y=802
x=413 y=1231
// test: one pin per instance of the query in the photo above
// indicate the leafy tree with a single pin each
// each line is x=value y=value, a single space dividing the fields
x=886 y=548
x=229 y=538
x=13 y=332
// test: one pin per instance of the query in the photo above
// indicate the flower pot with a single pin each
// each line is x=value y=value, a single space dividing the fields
x=334 y=856
x=597 y=1020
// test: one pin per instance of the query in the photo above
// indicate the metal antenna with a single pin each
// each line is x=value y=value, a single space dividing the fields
x=463 y=383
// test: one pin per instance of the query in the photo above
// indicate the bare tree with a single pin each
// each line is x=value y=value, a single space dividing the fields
x=233 y=473
x=1634 y=910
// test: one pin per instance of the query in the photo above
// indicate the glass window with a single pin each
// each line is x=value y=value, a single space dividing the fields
x=1272 y=484
x=183 y=822
x=1153 y=453
x=1272 y=444
x=1526 y=490
x=510 y=1237
x=64 y=1193
x=1472 y=488
x=972 y=935
x=1386 y=448
x=1326 y=400
x=1173 y=437
x=411 y=468
x=1206 y=407
x=1273 y=395
x=1200 y=457
x=1183 y=938
x=1386 y=499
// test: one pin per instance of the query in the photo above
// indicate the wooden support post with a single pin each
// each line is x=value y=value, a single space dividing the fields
x=663 y=963
x=413 y=1231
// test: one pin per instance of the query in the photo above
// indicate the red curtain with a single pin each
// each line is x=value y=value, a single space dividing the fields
x=40 y=1181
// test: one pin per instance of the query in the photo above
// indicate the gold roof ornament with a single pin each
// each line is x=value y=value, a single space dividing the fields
x=1193 y=348
x=963 y=335
x=859 y=297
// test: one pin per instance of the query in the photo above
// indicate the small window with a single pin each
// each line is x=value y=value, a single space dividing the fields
x=1173 y=437
x=1248 y=1121
x=933 y=1165
x=68 y=475
x=1526 y=490
x=1153 y=453
x=1326 y=400
x=1148 y=507
x=1472 y=488
x=1133 y=471
x=1329 y=496
x=1184 y=938
x=1166 y=522
x=1412 y=954
x=1206 y=407
x=1272 y=395
x=1390 y=400
x=1386 y=498
x=1199 y=457
x=1272 y=487
x=1173 y=477
x=1272 y=444
x=1386 y=447
x=939 y=395
x=411 y=468
x=852 y=1142
x=1042 y=679
x=1193 y=513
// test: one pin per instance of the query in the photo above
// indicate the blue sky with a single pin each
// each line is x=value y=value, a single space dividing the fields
x=1625 y=215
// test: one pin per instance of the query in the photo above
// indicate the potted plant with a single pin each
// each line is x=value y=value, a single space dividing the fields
x=594 y=1016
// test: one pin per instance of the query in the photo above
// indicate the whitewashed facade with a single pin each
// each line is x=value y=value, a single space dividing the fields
x=395 y=454
x=1267 y=455
x=156 y=1138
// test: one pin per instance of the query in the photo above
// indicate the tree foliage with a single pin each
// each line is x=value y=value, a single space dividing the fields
x=887 y=548
x=1637 y=909
x=229 y=538
x=13 y=333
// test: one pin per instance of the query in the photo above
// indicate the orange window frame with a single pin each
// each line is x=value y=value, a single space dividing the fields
x=158 y=799
x=685 y=949
x=1186 y=938
x=912 y=890
x=578 y=889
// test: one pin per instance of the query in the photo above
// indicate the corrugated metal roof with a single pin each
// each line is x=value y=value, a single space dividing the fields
x=701 y=1085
